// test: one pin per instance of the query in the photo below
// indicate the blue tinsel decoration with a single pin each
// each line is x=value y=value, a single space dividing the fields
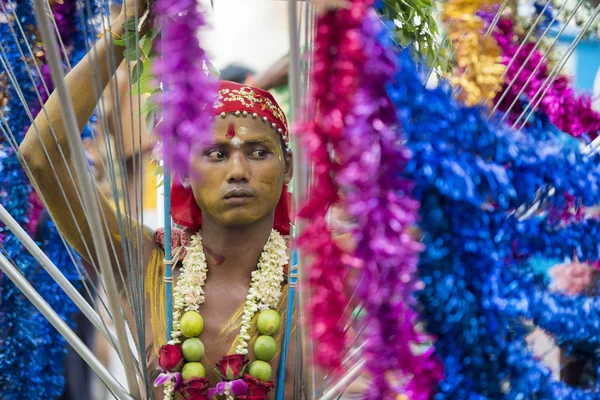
x=470 y=174
x=33 y=352
x=19 y=324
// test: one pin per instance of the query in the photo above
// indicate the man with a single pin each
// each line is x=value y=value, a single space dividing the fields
x=243 y=175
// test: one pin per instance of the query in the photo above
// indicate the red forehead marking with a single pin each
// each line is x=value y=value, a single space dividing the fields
x=231 y=131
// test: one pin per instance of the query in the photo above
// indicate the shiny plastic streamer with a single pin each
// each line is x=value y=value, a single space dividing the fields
x=379 y=200
x=337 y=59
x=32 y=350
x=478 y=57
x=470 y=175
x=188 y=92
x=570 y=111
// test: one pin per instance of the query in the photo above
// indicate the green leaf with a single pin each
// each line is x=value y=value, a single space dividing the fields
x=130 y=24
x=149 y=106
x=119 y=42
x=130 y=39
x=146 y=84
x=136 y=72
x=159 y=170
x=131 y=54
x=146 y=45
x=150 y=122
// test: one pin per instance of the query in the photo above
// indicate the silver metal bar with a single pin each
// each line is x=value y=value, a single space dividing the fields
x=537 y=67
x=350 y=376
x=299 y=191
x=554 y=73
x=348 y=358
x=88 y=192
x=19 y=280
x=514 y=58
x=55 y=273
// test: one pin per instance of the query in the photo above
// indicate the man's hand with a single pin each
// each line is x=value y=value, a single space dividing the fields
x=129 y=8
x=324 y=6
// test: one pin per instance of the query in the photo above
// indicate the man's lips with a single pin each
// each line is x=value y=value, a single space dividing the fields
x=238 y=196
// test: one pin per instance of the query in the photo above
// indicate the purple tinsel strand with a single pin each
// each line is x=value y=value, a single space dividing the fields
x=188 y=91
x=380 y=200
x=64 y=15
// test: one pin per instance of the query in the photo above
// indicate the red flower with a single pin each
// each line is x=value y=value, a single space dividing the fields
x=193 y=389
x=257 y=389
x=232 y=367
x=170 y=357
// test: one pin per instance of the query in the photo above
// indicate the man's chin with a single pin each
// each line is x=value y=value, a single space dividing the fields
x=239 y=217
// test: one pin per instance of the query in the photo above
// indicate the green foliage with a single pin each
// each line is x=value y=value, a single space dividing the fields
x=139 y=52
x=416 y=26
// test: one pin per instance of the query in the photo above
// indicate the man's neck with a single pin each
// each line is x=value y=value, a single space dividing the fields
x=234 y=251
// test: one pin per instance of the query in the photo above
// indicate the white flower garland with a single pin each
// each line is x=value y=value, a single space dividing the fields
x=169 y=389
x=264 y=292
x=189 y=291
x=265 y=287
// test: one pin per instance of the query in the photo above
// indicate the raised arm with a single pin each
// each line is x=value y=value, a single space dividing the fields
x=82 y=83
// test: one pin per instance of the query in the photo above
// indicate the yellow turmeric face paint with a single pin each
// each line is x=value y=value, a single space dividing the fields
x=253 y=163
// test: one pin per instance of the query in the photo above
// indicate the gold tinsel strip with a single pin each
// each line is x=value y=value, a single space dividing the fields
x=3 y=91
x=479 y=59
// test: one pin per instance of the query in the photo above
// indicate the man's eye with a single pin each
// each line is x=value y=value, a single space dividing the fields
x=216 y=155
x=258 y=153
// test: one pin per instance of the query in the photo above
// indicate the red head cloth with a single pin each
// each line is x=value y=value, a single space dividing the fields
x=244 y=102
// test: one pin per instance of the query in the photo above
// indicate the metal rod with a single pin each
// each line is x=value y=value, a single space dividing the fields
x=88 y=192
x=514 y=58
x=299 y=190
x=347 y=359
x=168 y=261
x=537 y=67
x=86 y=354
x=352 y=374
x=55 y=273
x=554 y=73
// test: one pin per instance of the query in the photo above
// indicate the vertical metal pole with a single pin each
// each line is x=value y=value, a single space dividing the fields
x=167 y=218
x=88 y=191
x=299 y=193
x=168 y=250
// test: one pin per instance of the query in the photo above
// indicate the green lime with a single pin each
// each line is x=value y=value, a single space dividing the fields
x=264 y=348
x=193 y=370
x=191 y=324
x=260 y=370
x=193 y=350
x=268 y=322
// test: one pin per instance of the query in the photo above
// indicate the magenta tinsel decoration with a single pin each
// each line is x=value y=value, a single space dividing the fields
x=380 y=201
x=337 y=58
x=571 y=112
x=65 y=14
x=34 y=212
x=188 y=91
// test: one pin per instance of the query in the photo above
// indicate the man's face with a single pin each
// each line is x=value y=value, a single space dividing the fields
x=239 y=177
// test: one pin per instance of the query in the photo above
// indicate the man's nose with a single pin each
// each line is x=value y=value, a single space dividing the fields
x=237 y=168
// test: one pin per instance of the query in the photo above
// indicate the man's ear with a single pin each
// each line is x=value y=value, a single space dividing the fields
x=289 y=167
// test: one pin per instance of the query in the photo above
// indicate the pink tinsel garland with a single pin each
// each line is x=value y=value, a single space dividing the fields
x=570 y=111
x=337 y=58
x=380 y=201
